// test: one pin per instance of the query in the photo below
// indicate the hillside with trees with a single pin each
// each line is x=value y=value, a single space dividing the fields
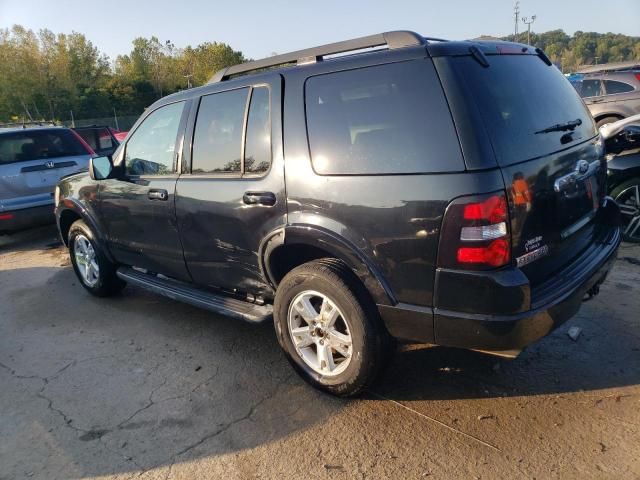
x=48 y=76
x=584 y=48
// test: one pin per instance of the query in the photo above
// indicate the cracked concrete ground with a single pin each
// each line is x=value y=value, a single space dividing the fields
x=139 y=386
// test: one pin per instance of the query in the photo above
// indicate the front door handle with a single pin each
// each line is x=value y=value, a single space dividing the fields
x=158 y=194
x=259 y=198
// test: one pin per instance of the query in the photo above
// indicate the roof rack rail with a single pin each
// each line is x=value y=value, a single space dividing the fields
x=393 y=40
x=610 y=67
x=29 y=123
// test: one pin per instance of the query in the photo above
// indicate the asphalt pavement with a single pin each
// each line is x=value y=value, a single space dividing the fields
x=139 y=386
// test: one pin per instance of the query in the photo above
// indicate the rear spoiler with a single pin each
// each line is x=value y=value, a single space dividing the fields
x=612 y=129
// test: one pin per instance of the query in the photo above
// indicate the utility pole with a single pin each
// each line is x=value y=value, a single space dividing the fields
x=516 y=13
x=528 y=23
x=188 y=77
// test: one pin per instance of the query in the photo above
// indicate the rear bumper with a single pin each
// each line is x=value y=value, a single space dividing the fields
x=532 y=314
x=15 y=220
x=552 y=304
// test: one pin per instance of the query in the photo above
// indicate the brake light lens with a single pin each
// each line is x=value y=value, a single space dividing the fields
x=475 y=233
x=6 y=216
x=493 y=209
x=496 y=254
x=638 y=76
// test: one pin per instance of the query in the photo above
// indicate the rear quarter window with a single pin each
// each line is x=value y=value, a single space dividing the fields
x=381 y=120
x=614 y=87
x=30 y=145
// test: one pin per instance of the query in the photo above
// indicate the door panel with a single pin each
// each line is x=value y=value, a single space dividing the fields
x=224 y=214
x=138 y=209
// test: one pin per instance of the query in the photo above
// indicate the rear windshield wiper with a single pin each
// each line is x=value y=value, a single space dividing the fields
x=562 y=127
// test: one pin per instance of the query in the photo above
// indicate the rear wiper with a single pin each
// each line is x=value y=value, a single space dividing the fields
x=562 y=127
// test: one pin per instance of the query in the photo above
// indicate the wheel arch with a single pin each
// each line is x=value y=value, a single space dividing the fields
x=69 y=212
x=291 y=246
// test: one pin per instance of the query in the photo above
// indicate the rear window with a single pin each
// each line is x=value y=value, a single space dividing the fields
x=26 y=145
x=381 y=120
x=517 y=97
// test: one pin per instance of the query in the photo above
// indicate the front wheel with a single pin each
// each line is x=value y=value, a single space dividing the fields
x=329 y=328
x=94 y=270
x=627 y=195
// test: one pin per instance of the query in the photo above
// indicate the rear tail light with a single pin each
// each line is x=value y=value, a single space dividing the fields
x=6 y=216
x=638 y=76
x=475 y=233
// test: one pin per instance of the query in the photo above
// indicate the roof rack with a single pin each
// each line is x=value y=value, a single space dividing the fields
x=610 y=67
x=392 y=40
x=26 y=124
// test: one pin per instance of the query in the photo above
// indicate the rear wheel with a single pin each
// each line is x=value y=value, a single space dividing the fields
x=94 y=270
x=329 y=328
x=628 y=197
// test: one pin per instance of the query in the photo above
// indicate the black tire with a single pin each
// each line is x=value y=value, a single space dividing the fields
x=615 y=193
x=107 y=283
x=605 y=120
x=370 y=340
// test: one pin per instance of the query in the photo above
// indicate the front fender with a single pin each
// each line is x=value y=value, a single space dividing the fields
x=79 y=196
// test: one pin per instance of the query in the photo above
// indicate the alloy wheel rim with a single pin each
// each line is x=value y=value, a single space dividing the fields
x=320 y=333
x=629 y=202
x=86 y=261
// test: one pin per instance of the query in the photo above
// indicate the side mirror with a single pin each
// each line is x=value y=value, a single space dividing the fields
x=100 y=168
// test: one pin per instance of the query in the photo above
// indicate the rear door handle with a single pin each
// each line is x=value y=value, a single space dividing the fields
x=158 y=194
x=259 y=198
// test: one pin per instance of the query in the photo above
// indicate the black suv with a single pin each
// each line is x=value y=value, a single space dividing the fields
x=439 y=192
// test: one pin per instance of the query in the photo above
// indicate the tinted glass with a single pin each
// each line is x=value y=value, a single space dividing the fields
x=590 y=88
x=612 y=87
x=384 y=119
x=97 y=138
x=217 y=140
x=517 y=97
x=28 y=145
x=257 y=150
x=151 y=148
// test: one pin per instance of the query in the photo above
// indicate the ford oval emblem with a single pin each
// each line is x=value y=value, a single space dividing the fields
x=582 y=167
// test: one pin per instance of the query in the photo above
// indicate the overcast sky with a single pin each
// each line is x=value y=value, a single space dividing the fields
x=260 y=27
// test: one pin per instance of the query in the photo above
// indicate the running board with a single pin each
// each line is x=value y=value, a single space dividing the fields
x=183 y=292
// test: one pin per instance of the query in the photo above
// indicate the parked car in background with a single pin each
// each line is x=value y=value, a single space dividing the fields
x=33 y=159
x=623 y=172
x=611 y=92
x=451 y=193
x=102 y=139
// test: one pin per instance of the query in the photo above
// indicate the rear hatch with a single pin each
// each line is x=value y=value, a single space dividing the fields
x=32 y=162
x=546 y=145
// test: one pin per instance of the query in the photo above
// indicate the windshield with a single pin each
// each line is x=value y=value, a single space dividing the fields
x=519 y=95
x=25 y=145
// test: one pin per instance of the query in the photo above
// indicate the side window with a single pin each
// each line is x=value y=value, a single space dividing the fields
x=381 y=120
x=217 y=139
x=590 y=88
x=257 y=150
x=612 y=87
x=150 y=150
